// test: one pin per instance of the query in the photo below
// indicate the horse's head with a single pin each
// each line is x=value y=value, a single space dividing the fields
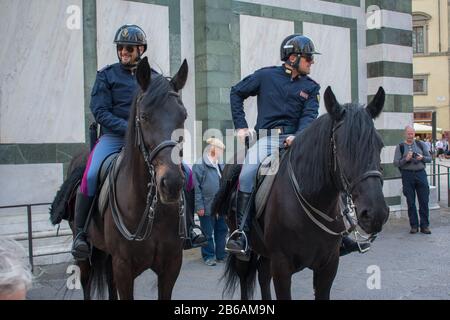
x=356 y=158
x=158 y=113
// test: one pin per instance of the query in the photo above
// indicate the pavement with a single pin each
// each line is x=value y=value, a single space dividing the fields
x=399 y=266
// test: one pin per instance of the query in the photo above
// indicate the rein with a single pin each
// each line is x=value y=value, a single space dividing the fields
x=145 y=226
x=342 y=184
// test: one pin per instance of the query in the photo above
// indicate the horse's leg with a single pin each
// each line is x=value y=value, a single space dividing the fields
x=112 y=290
x=123 y=278
x=168 y=277
x=323 y=279
x=282 y=273
x=85 y=278
x=264 y=278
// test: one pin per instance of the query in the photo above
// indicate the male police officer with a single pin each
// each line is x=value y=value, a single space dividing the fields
x=288 y=101
x=111 y=99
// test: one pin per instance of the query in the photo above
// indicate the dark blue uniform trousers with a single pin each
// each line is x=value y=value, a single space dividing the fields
x=416 y=182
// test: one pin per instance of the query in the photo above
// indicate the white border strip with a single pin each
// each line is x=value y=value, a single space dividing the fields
x=396 y=20
x=391 y=85
x=316 y=6
x=394 y=120
x=387 y=154
x=389 y=52
x=392 y=188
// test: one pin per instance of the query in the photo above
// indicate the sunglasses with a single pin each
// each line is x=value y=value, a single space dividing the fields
x=308 y=57
x=129 y=49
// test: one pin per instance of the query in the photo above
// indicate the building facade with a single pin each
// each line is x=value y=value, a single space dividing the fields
x=431 y=48
x=54 y=48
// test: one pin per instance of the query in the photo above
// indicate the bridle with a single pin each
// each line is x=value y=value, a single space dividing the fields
x=343 y=185
x=145 y=226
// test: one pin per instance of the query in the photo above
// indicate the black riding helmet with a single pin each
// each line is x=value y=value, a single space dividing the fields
x=283 y=53
x=132 y=35
x=296 y=44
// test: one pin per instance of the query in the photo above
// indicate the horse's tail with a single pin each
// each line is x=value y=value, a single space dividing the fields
x=100 y=272
x=229 y=179
x=236 y=271
x=58 y=209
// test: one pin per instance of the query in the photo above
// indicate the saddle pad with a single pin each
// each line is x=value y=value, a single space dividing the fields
x=265 y=178
x=103 y=197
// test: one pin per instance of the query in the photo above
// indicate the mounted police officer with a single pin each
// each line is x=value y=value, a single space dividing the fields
x=288 y=101
x=111 y=99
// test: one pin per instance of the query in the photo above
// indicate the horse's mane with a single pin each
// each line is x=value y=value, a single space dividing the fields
x=361 y=140
x=156 y=94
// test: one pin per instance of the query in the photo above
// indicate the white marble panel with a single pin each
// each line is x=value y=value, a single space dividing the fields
x=394 y=120
x=396 y=20
x=29 y=183
x=332 y=67
x=387 y=154
x=188 y=93
x=325 y=7
x=389 y=52
x=256 y=54
x=41 y=78
x=153 y=19
x=391 y=85
x=392 y=188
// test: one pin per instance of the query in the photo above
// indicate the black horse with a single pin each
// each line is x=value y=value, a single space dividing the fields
x=148 y=196
x=339 y=153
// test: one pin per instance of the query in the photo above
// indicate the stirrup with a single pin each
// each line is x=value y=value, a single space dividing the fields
x=241 y=252
x=365 y=240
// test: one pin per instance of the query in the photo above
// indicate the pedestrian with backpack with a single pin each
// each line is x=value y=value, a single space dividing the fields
x=411 y=157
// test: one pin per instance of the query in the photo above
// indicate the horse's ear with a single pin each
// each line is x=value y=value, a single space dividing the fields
x=375 y=107
x=143 y=74
x=332 y=105
x=179 y=80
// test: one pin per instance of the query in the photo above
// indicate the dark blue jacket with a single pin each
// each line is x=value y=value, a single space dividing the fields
x=112 y=96
x=281 y=100
x=207 y=183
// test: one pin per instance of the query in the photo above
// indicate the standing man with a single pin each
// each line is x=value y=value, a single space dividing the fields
x=207 y=173
x=410 y=157
x=288 y=101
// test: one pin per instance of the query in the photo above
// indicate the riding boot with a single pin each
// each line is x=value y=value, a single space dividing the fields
x=197 y=240
x=193 y=240
x=239 y=245
x=348 y=245
x=80 y=247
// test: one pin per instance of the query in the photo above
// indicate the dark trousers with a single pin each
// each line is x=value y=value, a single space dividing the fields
x=216 y=232
x=416 y=182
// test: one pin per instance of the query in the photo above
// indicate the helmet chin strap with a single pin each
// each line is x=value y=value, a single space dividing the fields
x=296 y=65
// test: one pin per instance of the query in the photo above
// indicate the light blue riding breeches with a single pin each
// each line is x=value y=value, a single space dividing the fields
x=263 y=148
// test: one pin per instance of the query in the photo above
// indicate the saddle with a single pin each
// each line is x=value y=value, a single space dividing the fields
x=267 y=172
x=104 y=181
x=265 y=178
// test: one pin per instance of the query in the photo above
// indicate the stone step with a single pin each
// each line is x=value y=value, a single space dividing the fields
x=50 y=245
x=50 y=250
x=15 y=221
